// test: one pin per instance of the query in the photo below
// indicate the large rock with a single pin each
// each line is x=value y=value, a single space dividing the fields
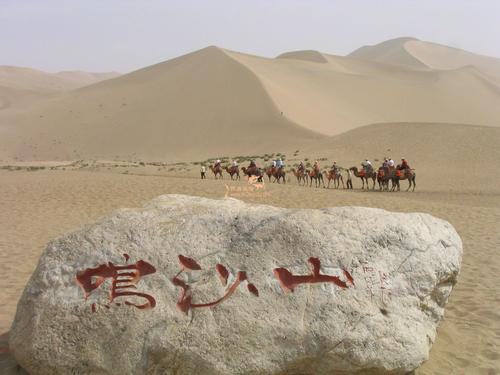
x=403 y=268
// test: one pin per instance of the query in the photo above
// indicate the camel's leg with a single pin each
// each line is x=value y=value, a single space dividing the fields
x=342 y=180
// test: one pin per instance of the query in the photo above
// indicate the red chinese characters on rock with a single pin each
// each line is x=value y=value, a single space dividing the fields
x=124 y=279
x=185 y=301
x=289 y=282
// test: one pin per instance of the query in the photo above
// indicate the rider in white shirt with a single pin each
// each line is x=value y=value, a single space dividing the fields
x=367 y=165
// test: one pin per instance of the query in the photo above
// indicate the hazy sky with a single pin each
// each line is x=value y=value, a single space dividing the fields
x=123 y=35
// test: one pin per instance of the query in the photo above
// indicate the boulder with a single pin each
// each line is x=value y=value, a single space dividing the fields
x=189 y=285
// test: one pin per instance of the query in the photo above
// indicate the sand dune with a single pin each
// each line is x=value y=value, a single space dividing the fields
x=417 y=53
x=442 y=57
x=36 y=80
x=20 y=87
x=198 y=105
x=346 y=93
x=389 y=52
x=309 y=55
x=218 y=102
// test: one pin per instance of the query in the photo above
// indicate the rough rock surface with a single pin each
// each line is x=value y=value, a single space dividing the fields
x=403 y=267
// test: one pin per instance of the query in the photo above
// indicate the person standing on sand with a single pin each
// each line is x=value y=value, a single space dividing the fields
x=203 y=172
x=349 y=179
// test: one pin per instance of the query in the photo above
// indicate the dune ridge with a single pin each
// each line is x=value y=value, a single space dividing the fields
x=216 y=102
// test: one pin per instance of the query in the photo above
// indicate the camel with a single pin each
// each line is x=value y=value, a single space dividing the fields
x=270 y=172
x=317 y=176
x=384 y=175
x=217 y=170
x=334 y=174
x=277 y=173
x=405 y=174
x=253 y=171
x=365 y=176
x=301 y=175
x=233 y=171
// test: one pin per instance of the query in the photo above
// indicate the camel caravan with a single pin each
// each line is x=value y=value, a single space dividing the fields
x=387 y=176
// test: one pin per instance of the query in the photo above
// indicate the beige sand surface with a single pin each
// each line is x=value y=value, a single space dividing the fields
x=43 y=82
x=21 y=87
x=215 y=101
x=38 y=206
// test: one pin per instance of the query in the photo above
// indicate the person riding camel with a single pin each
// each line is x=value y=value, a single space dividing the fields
x=217 y=163
x=279 y=163
x=235 y=163
x=302 y=167
x=367 y=165
x=391 y=163
x=316 y=166
x=404 y=165
x=275 y=162
x=335 y=167
x=252 y=164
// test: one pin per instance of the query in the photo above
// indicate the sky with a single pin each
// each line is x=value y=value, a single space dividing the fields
x=124 y=35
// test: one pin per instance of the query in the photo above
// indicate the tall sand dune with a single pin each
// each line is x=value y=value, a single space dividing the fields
x=389 y=52
x=346 y=93
x=219 y=102
x=417 y=53
x=198 y=105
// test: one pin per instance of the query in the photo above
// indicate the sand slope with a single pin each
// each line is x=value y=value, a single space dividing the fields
x=417 y=53
x=36 y=80
x=20 y=87
x=346 y=93
x=389 y=52
x=218 y=102
x=198 y=105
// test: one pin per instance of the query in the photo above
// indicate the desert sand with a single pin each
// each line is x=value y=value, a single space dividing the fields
x=68 y=158
x=38 y=206
x=220 y=102
x=21 y=87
